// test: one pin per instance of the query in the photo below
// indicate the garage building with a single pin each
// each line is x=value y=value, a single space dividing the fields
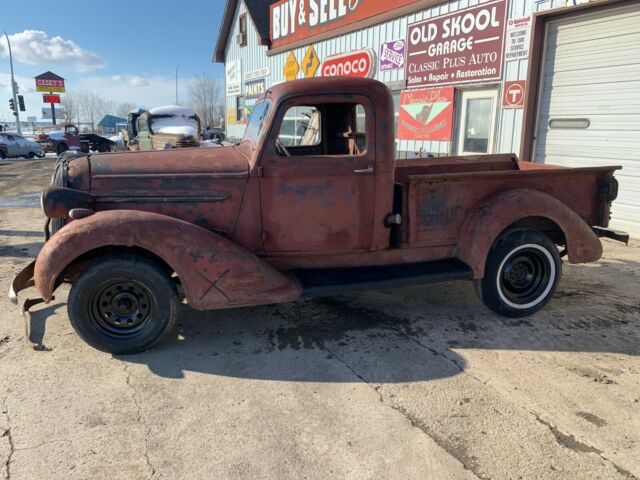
x=552 y=81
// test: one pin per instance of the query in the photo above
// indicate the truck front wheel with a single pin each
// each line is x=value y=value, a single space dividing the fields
x=521 y=274
x=123 y=303
x=62 y=147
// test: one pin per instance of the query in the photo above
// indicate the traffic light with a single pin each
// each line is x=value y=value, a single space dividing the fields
x=12 y=105
x=21 y=103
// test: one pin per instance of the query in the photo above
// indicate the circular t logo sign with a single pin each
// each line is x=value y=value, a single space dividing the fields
x=353 y=64
x=513 y=94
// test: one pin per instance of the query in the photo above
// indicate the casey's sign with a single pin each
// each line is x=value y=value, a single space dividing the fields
x=294 y=20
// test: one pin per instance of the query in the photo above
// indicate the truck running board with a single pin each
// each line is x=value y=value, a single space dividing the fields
x=320 y=282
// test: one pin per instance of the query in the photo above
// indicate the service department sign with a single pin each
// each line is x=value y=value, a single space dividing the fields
x=462 y=47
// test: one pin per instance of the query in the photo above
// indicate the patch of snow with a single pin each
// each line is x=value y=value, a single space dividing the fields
x=175 y=125
x=175 y=110
x=209 y=144
x=117 y=139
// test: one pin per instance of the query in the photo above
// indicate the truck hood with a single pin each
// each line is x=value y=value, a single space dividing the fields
x=174 y=172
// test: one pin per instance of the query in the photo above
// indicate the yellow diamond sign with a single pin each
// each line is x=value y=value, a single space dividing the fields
x=291 y=67
x=310 y=62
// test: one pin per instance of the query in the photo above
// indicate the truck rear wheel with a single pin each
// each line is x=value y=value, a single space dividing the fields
x=61 y=148
x=521 y=274
x=123 y=303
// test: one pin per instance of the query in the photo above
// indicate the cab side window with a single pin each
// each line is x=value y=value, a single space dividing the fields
x=325 y=129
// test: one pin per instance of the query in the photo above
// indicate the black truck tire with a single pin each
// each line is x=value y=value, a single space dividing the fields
x=123 y=303
x=521 y=274
x=61 y=148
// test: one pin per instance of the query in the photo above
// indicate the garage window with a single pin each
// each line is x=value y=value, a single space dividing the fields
x=477 y=121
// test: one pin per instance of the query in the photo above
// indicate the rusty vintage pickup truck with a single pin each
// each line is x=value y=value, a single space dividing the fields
x=311 y=202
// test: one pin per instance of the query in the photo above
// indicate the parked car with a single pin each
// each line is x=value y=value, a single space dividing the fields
x=171 y=126
x=214 y=133
x=331 y=211
x=69 y=138
x=13 y=145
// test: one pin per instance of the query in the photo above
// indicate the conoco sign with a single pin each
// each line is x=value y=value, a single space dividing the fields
x=462 y=47
x=353 y=64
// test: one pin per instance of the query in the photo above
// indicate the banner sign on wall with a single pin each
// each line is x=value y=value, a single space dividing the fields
x=461 y=47
x=294 y=20
x=426 y=114
x=518 y=38
x=392 y=55
x=233 y=77
x=360 y=63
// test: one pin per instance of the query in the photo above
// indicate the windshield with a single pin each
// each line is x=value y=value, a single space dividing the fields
x=256 y=125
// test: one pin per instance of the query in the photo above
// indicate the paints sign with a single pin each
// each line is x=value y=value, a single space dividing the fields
x=426 y=114
x=292 y=21
x=353 y=64
x=255 y=88
x=392 y=55
x=461 y=47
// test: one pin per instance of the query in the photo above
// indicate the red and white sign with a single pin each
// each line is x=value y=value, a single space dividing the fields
x=51 y=99
x=461 y=47
x=360 y=63
x=292 y=21
x=513 y=94
x=518 y=38
x=426 y=114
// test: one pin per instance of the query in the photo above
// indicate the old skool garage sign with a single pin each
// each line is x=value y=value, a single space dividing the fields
x=462 y=47
x=353 y=64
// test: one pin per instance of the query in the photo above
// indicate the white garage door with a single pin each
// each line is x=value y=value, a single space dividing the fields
x=589 y=112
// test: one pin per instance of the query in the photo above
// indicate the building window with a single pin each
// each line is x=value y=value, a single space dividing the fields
x=477 y=121
x=240 y=109
x=242 y=29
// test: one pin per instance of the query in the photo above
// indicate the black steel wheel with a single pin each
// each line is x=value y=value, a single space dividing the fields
x=521 y=274
x=123 y=303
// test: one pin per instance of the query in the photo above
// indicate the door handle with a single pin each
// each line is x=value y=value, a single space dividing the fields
x=369 y=169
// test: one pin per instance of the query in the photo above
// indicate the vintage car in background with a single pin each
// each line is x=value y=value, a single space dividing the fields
x=170 y=126
x=69 y=138
x=13 y=145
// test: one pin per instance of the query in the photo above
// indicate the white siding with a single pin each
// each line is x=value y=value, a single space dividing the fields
x=592 y=71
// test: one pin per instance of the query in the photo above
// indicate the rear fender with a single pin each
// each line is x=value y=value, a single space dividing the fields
x=214 y=271
x=493 y=216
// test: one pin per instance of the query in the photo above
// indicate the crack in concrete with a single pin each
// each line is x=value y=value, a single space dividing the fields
x=572 y=443
x=410 y=418
x=7 y=433
x=140 y=420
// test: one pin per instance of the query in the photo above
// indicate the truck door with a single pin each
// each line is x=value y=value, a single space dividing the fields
x=317 y=183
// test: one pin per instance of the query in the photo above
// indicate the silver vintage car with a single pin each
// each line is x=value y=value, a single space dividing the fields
x=13 y=145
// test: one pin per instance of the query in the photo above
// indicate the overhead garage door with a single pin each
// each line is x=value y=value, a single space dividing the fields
x=589 y=112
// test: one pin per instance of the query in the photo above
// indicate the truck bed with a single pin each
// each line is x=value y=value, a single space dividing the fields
x=438 y=193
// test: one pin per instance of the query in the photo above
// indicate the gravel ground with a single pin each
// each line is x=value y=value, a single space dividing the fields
x=418 y=382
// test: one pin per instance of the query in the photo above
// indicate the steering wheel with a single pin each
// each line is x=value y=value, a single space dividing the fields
x=282 y=148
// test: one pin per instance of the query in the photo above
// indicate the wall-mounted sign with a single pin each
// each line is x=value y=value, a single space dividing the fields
x=310 y=62
x=46 y=113
x=518 y=38
x=461 y=47
x=294 y=20
x=233 y=77
x=291 y=67
x=231 y=116
x=254 y=88
x=426 y=114
x=49 y=82
x=513 y=94
x=260 y=73
x=360 y=63
x=392 y=55
x=50 y=98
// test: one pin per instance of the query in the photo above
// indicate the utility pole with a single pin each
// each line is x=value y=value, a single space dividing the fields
x=14 y=87
x=177 y=67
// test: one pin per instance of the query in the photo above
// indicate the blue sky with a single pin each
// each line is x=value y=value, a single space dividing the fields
x=124 y=50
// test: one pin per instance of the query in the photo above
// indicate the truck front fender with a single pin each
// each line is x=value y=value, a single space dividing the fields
x=494 y=215
x=214 y=272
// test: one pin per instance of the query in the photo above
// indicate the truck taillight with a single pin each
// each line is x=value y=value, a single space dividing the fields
x=609 y=190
